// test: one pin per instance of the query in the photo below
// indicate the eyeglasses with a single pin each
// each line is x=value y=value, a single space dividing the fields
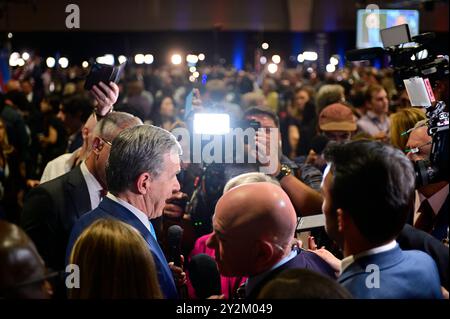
x=412 y=129
x=107 y=142
x=416 y=149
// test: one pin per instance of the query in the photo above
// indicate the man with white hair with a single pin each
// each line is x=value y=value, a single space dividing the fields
x=51 y=209
x=141 y=174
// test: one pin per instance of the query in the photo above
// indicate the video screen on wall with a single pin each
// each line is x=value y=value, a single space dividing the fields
x=369 y=24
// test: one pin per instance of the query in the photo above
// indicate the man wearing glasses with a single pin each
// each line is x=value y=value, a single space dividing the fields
x=51 y=209
x=431 y=209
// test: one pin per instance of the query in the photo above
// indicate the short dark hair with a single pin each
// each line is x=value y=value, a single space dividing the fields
x=371 y=90
x=54 y=101
x=374 y=183
x=303 y=284
x=260 y=110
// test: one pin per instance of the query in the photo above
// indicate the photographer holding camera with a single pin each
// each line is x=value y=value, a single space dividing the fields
x=431 y=209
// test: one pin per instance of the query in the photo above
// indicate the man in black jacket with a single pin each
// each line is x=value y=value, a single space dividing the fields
x=413 y=238
x=52 y=208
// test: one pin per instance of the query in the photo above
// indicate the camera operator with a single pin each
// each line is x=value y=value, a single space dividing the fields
x=431 y=209
x=301 y=183
x=298 y=182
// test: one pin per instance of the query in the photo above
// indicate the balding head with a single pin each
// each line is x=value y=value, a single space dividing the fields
x=253 y=226
x=19 y=263
x=88 y=132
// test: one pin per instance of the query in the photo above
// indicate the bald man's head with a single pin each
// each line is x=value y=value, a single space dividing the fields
x=253 y=226
x=20 y=263
x=88 y=131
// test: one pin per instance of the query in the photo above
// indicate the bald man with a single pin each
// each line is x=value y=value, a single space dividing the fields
x=22 y=270
x=253 y=228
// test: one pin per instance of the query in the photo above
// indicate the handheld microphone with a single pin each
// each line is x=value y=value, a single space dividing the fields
x=204 y=276
x=174 y=237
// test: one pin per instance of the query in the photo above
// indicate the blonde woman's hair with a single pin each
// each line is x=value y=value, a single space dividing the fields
x=402 y=121
x=247 y=178
x=114 y=263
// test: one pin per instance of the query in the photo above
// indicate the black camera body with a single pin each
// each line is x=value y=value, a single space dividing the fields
x=407 y=61
x=435 y=169
x=213 y=178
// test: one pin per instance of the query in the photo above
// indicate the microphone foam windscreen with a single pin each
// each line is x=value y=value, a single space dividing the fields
x=174 y=235
x=204 y=276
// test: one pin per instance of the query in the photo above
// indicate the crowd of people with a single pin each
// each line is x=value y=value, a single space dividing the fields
x=95 y=179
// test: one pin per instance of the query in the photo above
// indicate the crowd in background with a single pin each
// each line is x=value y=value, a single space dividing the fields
x=43 y=109
x=46 y=113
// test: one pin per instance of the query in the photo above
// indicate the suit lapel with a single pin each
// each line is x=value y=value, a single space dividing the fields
x=77 y=192
x=119 y=212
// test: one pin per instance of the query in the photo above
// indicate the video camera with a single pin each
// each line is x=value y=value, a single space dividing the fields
x=409 y=56
x=435 y=169
x=211 y=131
x=418 y=72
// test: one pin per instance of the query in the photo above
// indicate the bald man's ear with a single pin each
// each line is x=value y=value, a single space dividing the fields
x=144 y=183
x=84 y=132
x=265 y=255
x=97 y=145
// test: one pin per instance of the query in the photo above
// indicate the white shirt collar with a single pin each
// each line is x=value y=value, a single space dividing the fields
x=137 y=212
x=347 y=261
x=94 y=187
x=70 y=163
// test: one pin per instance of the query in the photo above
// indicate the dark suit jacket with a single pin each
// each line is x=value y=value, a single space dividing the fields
x=50 y=211
x=413 y=238
x=304 y=259
x=441 y=222
x=111 y=209
x=440 y=225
